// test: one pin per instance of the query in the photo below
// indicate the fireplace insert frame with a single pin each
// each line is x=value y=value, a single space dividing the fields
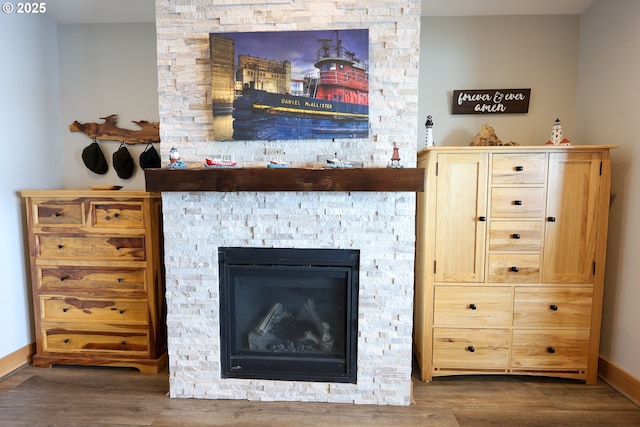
x=233 y=261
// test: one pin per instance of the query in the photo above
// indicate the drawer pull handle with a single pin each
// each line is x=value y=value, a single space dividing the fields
x=58 y=213
x=472 y=306
x=66 y=340
x=123 y=342
x=116 y=215
x=519 y=168
x=553 y=307
x=471 y=349
x=515 y=236
x=551 y=219
x=65 y=309
x=63 y=278
x=482 y=218
x=121 y=311
x=120 y=280
x=551 y=350
x=514 y=269
x=60 y=246
x=517 y=202
x=118 y=248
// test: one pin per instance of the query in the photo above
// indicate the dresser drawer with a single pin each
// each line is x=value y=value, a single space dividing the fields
x=556 y=307
x=64 y=212
x=71 y=309
x=515 y=268
x=89 y=279
x=515 y=235
x=78 y=340
x=470 y=348
x=91 y=247
x=123 y=215
x=466 y=306
x=550 y=349
x=518 y=168
x=515 y=202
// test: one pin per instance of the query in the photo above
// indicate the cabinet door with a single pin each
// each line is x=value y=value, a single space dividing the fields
x=571 y=217
x=461 y=204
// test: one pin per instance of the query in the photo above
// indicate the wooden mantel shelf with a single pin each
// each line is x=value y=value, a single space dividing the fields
x=285 y=179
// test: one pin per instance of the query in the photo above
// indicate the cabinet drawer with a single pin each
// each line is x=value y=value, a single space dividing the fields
x=517 y=168
x=514 y=268
x=464 y=306
x=554 y=349
x=544 y=307
x=70 y=309
x=112 y=214
x=58 y=213
x=126 y=343
x=91 y=247
x=514 y=202
x=515 y=235
x=470 y=348
x=89 y=279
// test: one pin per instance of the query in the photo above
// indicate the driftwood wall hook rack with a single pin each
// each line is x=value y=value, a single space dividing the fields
x=109 y=130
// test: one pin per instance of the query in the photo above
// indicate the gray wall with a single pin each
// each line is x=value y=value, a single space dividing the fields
x=499 y=52
x=31 y=155
x=106 y=69
x=608 y=110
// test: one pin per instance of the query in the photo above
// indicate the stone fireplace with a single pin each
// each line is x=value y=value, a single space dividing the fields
x=198 y=221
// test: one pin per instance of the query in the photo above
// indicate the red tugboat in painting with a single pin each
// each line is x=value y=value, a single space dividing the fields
x=335 y=103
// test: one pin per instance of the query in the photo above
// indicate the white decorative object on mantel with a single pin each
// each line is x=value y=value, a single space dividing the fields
x=556 y=135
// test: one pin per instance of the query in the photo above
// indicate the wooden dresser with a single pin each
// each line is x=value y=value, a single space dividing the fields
x=97 y=278
x=511 y=245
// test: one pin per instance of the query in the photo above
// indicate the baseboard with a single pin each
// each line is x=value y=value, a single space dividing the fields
x=620 y=380
x=17 y=359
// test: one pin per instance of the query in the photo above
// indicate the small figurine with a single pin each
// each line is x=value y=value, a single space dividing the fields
x=429 y=125
x=395 y=157
x=174 y=160
x=556 y=135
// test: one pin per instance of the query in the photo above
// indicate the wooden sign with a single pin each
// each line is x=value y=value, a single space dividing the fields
x=490 y=101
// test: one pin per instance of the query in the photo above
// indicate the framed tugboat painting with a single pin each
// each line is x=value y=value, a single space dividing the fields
x=290 y=85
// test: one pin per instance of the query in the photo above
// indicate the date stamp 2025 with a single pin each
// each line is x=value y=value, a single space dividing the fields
x=29 y=8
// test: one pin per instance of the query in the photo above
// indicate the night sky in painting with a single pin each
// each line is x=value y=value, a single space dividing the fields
x=298 y=47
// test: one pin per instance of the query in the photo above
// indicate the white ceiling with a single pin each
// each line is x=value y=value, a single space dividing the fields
x=123 y=11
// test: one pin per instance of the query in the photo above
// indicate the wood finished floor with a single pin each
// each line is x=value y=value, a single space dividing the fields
x=83 y=396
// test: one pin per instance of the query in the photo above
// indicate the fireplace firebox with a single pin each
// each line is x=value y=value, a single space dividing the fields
x=289 y=314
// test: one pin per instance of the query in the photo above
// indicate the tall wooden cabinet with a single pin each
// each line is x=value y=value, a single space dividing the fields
x=97 y=278
x=510 y=260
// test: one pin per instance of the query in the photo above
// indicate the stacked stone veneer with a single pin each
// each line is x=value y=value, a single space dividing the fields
x=380 y=225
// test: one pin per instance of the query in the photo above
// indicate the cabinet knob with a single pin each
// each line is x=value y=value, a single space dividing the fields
x=553 y=307
x=66 y=340
x=551 y=219
x=514 y=269
x=472 y=306
x=471 y=349
x=551 y=350
x=63 y=278
x=123 y=342
x=65 y=309
x=482 y=218
x=515 y=236
x=60 y=246
x=58 y=214
x=519 y=168
x=120 y=280
x=517 y=202
x=118 y=248
x=121 y=311
x=116 y=215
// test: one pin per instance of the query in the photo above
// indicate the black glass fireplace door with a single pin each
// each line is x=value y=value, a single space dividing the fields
x=289 y=314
